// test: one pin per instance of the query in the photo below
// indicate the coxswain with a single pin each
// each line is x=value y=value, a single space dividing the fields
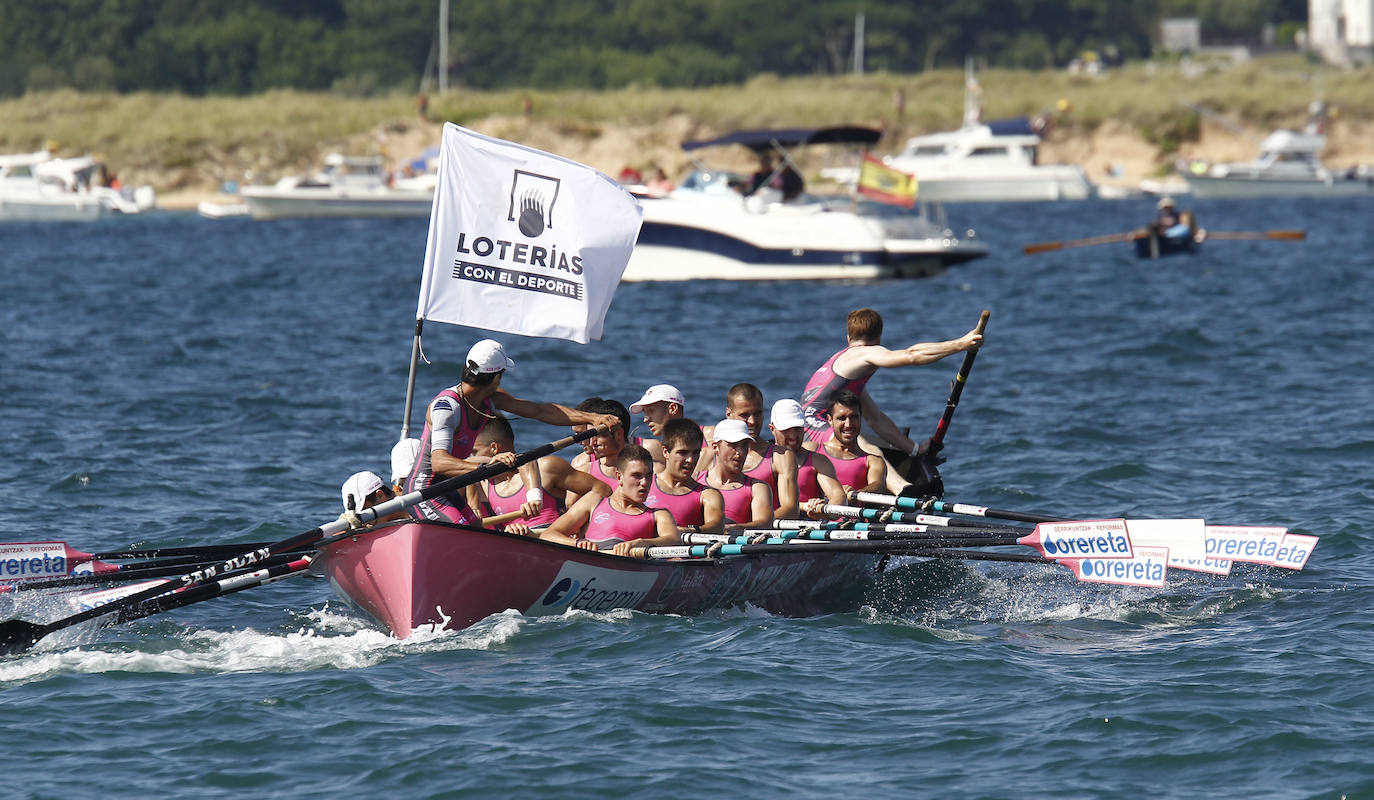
x=454 y=418
x=748 y=501
x=692 y=503
x=851 y=368
x=620 y=522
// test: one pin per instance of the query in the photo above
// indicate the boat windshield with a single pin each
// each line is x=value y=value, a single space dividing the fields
x=711 y=181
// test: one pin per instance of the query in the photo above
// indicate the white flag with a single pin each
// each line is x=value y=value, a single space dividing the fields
x=521 y=241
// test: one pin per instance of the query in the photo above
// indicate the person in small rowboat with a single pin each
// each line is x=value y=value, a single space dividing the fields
x=458 y=413
x=748 y=501
x=692 y=503
x=661 y=402
x=856 y=469
x=815 y=472
x=365 y=490
x=851 y=369
x=598 y=459
x=537 y=505
x=621 y=522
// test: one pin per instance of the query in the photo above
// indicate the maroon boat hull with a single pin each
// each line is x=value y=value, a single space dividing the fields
x=412 y=574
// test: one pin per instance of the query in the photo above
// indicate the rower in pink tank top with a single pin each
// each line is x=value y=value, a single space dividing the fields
x=609 y=525
x=504 y=505
x=595 y=470
x=852 y=473
x=685 y=508
x=764 y=472
x=808 y=485
x=823 y=385
x=739 y=502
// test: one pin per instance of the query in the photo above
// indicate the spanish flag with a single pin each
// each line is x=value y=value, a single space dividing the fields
x=885 y=184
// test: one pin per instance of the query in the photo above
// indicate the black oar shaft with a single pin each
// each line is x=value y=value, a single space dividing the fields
x=957 y=389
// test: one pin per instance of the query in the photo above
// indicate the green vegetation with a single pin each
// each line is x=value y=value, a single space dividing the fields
x=371 y=47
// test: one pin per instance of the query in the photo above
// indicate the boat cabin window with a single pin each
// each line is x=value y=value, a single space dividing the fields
x=928 y=151
x=978 y=152
x=20 y=171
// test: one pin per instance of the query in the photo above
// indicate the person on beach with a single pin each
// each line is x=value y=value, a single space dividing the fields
x=851 y=369
x=856 y=469
x=692 y=503
x=537 y=504
x=661 y=402
x=599 y=457
x=748 y=501
x=454 y=418
x=621 y=522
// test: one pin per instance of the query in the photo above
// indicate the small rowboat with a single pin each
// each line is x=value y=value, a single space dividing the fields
x=1153 y=244
x=410 y=574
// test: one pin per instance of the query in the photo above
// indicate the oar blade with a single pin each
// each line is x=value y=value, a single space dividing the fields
x=18 y=635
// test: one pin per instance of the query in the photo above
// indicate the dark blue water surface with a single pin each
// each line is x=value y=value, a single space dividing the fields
x=168 y=379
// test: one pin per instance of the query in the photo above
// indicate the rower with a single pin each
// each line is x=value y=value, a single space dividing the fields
x=661 y=402
x=599 y=458
x=537 y=501
x=692 y=503
x=748 y=501
x=454 y=417
x=764 y=462
x=365 y=490
x=851 y=369
x=815 y=472
x=856 y=469
x=621 y=522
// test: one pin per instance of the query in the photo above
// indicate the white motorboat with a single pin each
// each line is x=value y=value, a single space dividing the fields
x=993 y=162
x=1289 y=164
x=348 y=186
x=38 y=187
x=705 y=228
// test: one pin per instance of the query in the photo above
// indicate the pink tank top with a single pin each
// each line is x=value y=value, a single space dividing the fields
x=609 y=525
x=594 y=469
x=852 y=473
x=822 y=386
x=505 y=505
x=464 y=439
x=685 y=508
x=808 y=485
x=739 y=502
x=764 y=472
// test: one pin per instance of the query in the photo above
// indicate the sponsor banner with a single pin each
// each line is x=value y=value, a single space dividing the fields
x=522 y=241
x=1148 y=567
x=28 y=560
x=593 y=589
x=1098 y=538
x=1254 y=544
x=1186 y=540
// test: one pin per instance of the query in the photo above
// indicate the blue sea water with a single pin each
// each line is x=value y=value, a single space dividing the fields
x=173 y=380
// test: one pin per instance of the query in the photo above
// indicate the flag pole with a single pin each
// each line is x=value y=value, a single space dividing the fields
x=410 y=385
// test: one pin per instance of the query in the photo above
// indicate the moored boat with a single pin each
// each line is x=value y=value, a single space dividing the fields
x=707 y=229
x=411 y=574
x=1288 y=165
x=346 y=187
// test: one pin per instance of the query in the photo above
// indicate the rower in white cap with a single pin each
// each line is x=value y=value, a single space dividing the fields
x=660 y=403
x=365 y=490
x=748 y=502
x=454 y=418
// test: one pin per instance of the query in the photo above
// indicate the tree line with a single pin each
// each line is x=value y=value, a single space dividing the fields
x=236 y=47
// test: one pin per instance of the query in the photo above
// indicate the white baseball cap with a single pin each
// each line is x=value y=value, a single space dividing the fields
x=403 y=458
x=358 y=487
x=658 y=393
x=731 y=430
x=787 y=413
x=488 y=356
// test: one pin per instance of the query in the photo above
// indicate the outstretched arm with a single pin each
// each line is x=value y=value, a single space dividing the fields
x=551 y=413
x=921 y=352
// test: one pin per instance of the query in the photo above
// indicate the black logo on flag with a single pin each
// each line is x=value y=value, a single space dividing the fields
x=531 y=202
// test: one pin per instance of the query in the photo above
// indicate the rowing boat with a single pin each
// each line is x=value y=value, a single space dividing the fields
x=412 y=574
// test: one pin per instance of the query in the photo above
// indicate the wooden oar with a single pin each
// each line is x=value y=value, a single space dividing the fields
x=1045 y=247
x=1290 y=234
x=19 y=635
